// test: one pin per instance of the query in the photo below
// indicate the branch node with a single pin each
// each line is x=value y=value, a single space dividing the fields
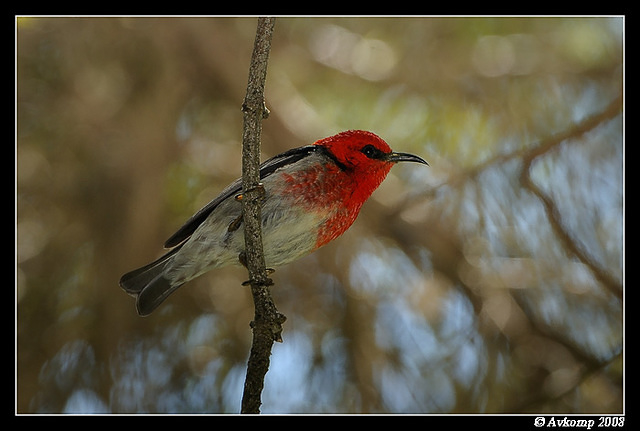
x=258 y=283
x=276 y=326
x=248 y=109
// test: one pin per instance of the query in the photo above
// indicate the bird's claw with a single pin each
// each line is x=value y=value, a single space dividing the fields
x=259 y=188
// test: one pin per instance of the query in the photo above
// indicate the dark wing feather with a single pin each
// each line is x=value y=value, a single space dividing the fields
x=266 y=169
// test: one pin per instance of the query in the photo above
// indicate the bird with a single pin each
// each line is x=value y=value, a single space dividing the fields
x=312 y=195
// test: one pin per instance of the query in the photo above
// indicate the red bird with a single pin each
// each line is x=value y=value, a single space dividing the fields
x=313 y=194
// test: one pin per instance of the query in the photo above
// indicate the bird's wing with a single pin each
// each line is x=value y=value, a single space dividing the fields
x=266 y=169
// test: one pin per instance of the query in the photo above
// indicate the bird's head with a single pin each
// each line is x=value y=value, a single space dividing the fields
x=365 y=158
x=365 y=154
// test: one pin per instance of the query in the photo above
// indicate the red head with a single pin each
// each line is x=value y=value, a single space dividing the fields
x=366 y=157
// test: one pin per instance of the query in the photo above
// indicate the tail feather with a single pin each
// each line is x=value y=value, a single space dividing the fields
x=153 y=294
x=148 y=284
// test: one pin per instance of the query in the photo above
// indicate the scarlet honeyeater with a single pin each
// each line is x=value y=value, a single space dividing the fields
x=313 y=194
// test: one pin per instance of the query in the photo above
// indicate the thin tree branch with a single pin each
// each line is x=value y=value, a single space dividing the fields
x=267 y=323
x=528 y=155
x=553 y=213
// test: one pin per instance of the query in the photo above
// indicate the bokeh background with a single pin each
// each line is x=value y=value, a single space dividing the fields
x=489 y=282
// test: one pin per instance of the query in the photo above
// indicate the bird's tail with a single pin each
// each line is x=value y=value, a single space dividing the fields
x=148 y=284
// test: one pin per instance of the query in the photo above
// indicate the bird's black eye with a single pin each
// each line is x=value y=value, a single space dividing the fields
x=372 y=152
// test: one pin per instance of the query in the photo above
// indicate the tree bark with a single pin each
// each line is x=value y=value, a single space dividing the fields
x=267 y=323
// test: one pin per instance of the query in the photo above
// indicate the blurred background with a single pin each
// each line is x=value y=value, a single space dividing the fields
x=489 y=282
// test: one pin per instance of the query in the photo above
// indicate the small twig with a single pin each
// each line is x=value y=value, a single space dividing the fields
x=267 y=323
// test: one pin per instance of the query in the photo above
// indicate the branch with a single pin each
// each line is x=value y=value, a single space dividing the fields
x=553 y=213
x=528 y=155
x=267 y=323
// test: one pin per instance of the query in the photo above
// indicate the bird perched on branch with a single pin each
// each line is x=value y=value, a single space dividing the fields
x=312 y=195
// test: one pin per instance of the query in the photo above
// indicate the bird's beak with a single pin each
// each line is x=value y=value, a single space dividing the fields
x=405 y=157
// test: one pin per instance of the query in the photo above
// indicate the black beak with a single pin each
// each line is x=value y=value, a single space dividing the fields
x=405 y=157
